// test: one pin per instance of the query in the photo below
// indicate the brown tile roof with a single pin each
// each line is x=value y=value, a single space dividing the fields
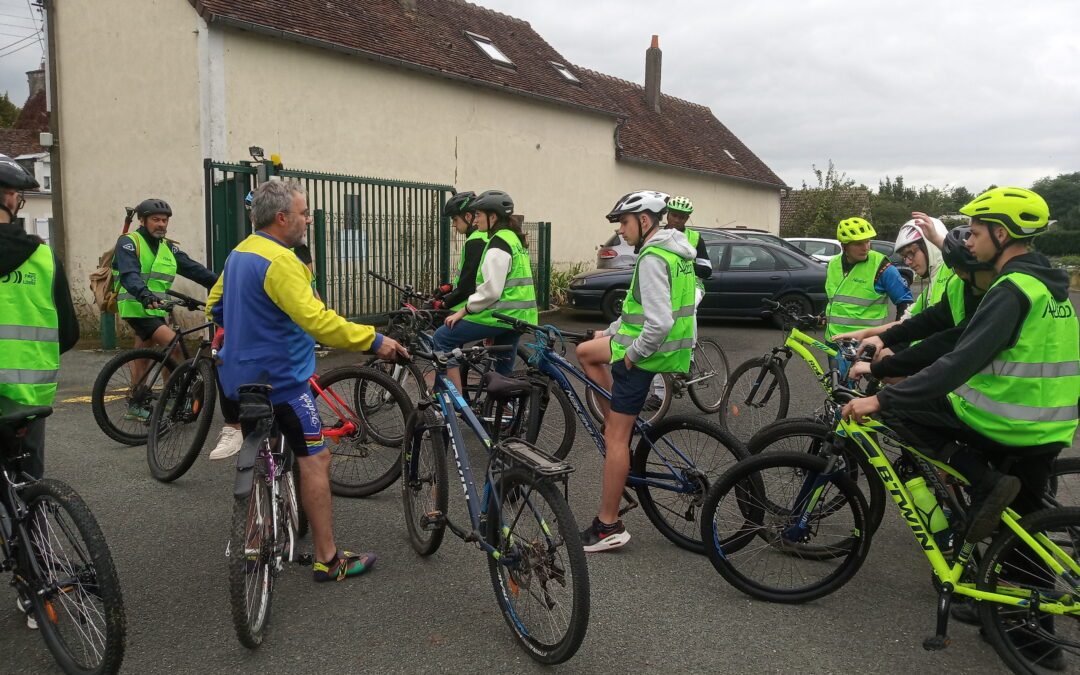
x=683 y=134
x=15 y=142
x=34 y=116
x=432 y=39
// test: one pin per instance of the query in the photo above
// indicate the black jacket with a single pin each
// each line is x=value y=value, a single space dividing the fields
x=471 y=255
x=15 y=247
x=126 y=261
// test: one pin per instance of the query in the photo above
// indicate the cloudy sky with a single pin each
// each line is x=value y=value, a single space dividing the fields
x=944 y=93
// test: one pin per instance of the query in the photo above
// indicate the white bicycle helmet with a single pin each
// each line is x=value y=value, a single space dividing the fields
x=640 y=201
x=910 y=233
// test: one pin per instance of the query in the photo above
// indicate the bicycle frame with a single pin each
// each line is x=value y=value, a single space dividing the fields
x=178 y=341
x=348 y=427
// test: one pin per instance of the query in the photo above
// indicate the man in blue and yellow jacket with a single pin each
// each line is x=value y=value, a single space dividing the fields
x=272 y=318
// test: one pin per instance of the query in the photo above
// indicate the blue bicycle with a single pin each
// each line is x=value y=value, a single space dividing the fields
x=521 y=521
x=676 y=459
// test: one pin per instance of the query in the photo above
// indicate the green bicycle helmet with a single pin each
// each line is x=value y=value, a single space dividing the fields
x=681 y=204
x=1021 y=212
x=854 y=229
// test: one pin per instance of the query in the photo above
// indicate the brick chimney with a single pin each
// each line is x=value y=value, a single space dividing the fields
x=36 y=80
x=653 y=56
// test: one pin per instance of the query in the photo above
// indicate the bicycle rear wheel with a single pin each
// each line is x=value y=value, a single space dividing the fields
x=756 y=395
x=292 y=505
x=681 y=457
x=1026 y=639
x=757 y=546
x=424 y=486
x=363 y=415
x=181 y=420
x=1064 y=485
x=76 y=599
x=251 y=559
x=708 y=375
x=121 y=406
x=656 y=405
x=540 y=577
x=409 y=376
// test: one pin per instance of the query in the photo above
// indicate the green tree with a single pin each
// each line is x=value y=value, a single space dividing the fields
x=9 y=112
x=1062 y=195
x=820 y=207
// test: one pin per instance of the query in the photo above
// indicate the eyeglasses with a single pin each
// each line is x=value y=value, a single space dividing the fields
x=910 y=255
x=306 y=213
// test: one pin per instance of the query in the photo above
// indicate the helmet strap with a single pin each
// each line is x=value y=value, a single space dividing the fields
x=11 y=214
x=643 y=233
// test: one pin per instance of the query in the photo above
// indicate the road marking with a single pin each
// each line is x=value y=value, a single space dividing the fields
x=87 y=399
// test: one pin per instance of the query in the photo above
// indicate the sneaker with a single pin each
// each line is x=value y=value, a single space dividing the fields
x=136 y=413
x=946 y=541
x=344 y=564
x=596 y=537
x=989 y=498
x=652 y=403
x=24 y=608
x=228 y=444
x=964 y=610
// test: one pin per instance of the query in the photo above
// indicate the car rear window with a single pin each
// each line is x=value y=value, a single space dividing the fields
x=614 y=241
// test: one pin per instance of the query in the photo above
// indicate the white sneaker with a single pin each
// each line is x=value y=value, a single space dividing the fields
x=31 y=622
x=228 y=444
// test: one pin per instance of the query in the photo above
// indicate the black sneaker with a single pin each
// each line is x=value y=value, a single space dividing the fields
x=596 y=538
x=989 y=498
x=946 y=541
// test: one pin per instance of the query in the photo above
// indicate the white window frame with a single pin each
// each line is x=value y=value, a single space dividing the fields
x=567 y=74
x=487 y=47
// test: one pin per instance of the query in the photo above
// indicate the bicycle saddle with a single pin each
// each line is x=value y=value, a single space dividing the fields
x=14 y=414
x=500 y=386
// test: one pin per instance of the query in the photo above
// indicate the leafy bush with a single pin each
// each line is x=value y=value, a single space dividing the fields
x=560 y=282
x=1059 y=243
x=1067 y=261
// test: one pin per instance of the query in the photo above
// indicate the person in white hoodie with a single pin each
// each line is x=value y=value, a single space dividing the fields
x=654 y=334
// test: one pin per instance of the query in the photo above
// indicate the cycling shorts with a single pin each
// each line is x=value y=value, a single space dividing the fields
x=299 y=422
x=145 y=326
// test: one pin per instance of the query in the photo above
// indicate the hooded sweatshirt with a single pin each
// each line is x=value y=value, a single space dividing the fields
x=994 y=327
x=936 y=267
x=15 y=247
x=654 y=289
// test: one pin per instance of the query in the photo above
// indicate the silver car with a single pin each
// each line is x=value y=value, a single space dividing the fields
x=615 y=252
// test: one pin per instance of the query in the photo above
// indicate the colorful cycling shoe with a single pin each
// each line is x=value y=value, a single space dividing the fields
x=345 y=564
x=136 y=413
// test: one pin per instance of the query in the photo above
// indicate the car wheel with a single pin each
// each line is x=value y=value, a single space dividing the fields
x=611 y=304
x=793 y=302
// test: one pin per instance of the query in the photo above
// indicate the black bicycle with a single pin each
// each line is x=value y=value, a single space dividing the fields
x=61 y=567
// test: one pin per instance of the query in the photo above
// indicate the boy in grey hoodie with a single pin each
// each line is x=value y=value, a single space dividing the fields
x=654 y=334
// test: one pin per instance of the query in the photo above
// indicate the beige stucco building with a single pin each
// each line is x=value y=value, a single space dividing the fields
x=394 y=89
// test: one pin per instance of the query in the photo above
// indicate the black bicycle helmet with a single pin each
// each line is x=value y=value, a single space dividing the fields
x=14 y=177
x=458 y=204
x=151 y=207
x=495 y=201
x=957 y=256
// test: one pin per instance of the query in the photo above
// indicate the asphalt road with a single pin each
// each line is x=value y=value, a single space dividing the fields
x=655 y=608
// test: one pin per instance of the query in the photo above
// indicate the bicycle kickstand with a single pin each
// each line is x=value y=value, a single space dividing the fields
x=940 y=640
x=631 y=503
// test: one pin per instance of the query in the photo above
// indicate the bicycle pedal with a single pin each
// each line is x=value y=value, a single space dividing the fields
x=304 y=559
x=432 y=520
x=935 y=643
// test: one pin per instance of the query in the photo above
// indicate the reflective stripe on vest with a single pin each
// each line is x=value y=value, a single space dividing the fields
x=29 y=335
x=518 y=297
x=158 y=271
x=673 y=356
x=1028 y=395
x=853 y=302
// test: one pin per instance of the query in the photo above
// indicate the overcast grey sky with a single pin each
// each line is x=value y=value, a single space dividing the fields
x=963 y=92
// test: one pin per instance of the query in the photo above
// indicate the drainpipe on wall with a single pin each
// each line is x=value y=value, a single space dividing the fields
x=57 y=233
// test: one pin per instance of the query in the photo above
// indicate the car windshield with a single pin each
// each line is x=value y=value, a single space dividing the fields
x=819 y=247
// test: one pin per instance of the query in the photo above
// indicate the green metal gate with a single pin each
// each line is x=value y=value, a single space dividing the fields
x=361 y=224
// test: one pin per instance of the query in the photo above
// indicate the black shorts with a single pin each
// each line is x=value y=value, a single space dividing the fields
x=630 y=388
x=145 y=326
x=300 y=424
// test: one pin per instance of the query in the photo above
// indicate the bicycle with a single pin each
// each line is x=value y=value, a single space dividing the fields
x=675 y=460
x=123 y=405
x=758 y=391
x=267 y=517
x=521 y=521
x=773 y=511
x=61 y=566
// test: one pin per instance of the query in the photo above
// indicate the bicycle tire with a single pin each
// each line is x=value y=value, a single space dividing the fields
x=684 y=529
x=744 y=419
x=1064 y=483
x=592 y=402
x=409 y=377
x=291 y=497
x=554 y=428
x=109 y=418
x=94 y=575
x=361 y=463
x=423 y=469
x=553 y=525
x=740 y=492
x=782 y=430
x=249 y=551
x=472 y=390
x=718 y=362
x=1006 y=626
x=165 y=465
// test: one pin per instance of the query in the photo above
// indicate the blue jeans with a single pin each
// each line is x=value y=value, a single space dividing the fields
x=464 y=332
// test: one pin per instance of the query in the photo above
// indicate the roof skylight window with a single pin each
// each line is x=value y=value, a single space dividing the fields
x=728 y=153
x=489 y=49
x=565 y=72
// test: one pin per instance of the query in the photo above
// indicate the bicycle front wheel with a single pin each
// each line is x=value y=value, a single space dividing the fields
x=76 y=595
x=181 y=420
x=538 y=567
x=424 y=487
x=708 y=376
x=753 y=523
x=756 y=395
x=251 y=559
x=122 y=402
x=674 y=466
x=1026 y=639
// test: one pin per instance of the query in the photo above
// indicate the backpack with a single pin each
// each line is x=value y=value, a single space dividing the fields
x=101 y=279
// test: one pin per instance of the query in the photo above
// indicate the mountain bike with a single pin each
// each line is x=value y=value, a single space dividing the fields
x=675 y=460
x=267 y=518
x=520 y=520
x=123 y=403
x=758 y=391
x=61 y=567
x=791 y=527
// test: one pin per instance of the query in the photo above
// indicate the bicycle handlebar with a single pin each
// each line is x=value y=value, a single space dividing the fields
x=406 y=289
x=526 y=327
x=800 y=320
x=471 y=354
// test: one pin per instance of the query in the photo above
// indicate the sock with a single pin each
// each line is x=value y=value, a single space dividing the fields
x=604 y=527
